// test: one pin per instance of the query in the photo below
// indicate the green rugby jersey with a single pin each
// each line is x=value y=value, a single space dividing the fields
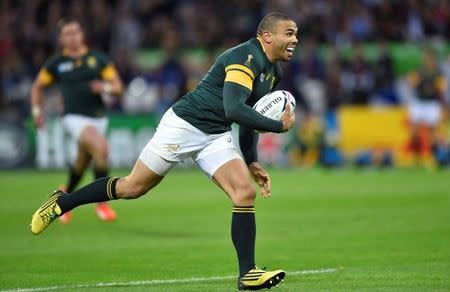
x=73 y=76
x=246 y=65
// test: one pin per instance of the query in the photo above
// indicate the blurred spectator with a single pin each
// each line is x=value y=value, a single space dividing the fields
x=306 y=74
x=387 y=20
x=415 y=29
x=358 y=78
x=100 y=23
x=126 y=34
x=359 y=22
x=172 y=78
x=384 y=92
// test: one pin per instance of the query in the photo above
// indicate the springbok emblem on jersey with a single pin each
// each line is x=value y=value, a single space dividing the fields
x=249 y=60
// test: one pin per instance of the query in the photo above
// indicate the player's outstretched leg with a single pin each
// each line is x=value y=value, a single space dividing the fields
x=137 y=183
x=101 y=190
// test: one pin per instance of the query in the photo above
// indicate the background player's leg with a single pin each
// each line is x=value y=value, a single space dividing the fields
x=97 y=146
x=76 y=172
x=233 y=177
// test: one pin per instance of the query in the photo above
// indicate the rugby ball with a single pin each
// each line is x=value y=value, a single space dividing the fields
x=272 y=104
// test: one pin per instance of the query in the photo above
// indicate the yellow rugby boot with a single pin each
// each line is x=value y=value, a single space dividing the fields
x=257 y=279
x=46 y=213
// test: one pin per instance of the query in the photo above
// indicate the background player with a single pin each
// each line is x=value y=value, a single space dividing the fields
x=83 y=76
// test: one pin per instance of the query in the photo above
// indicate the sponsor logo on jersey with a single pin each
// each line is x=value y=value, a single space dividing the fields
x=64 y=67
x=261 y=77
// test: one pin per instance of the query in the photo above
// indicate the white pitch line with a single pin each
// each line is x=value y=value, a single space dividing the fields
x=158 y=282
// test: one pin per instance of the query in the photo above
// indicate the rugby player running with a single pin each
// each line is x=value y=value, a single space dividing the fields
x=198 y=127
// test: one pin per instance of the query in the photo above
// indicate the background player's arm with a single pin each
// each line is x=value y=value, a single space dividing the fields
x=110 y=83
x=43 y=79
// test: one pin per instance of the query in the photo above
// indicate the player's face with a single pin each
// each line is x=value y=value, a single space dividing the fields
x=71 y=36
x=285 y=39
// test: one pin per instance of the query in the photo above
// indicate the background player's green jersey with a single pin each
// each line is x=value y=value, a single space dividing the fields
x=73 y=77
x=246 y=65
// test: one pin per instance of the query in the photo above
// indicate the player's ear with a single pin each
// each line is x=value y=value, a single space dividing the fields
x=267 y=36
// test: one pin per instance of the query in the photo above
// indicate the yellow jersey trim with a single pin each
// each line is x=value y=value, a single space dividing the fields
x=261 y=42
x=109 y=72
x=240 y=78
x=240 y=67
x=45 y=77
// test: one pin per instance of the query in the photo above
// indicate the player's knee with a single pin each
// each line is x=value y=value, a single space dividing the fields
x=245 y=195
x=102 y=150
x=101 y=153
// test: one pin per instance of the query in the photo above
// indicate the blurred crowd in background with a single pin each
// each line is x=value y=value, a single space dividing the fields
x=162 y=48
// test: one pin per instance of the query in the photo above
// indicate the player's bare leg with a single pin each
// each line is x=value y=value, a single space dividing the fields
x=76 y=172
x=97 y=146
x=138 y=182
x=234 y=178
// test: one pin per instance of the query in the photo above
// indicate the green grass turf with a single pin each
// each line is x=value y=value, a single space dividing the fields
x=382 y=230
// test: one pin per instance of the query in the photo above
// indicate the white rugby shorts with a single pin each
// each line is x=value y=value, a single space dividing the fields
x=426 y=112
x=74 y=124
x=175 y=140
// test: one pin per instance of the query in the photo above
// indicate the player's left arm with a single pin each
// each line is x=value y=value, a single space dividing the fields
x=248 y=142
x=110 y=82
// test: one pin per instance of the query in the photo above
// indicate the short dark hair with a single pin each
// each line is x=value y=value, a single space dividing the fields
x=269 y=22
x=65 y=21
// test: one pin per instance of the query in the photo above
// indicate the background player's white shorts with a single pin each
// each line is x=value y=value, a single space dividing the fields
x=74 y=124
x=176 y=140
x=426 y=112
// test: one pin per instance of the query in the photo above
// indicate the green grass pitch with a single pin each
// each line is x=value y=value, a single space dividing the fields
x=376 y=230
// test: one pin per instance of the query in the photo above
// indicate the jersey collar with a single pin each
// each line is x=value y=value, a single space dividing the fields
x=84 y=51
x=261 y=43
x=259 y=40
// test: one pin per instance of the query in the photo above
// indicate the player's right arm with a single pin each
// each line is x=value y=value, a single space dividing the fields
x=236 y=110
x=241 y=66
x=43 y=79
